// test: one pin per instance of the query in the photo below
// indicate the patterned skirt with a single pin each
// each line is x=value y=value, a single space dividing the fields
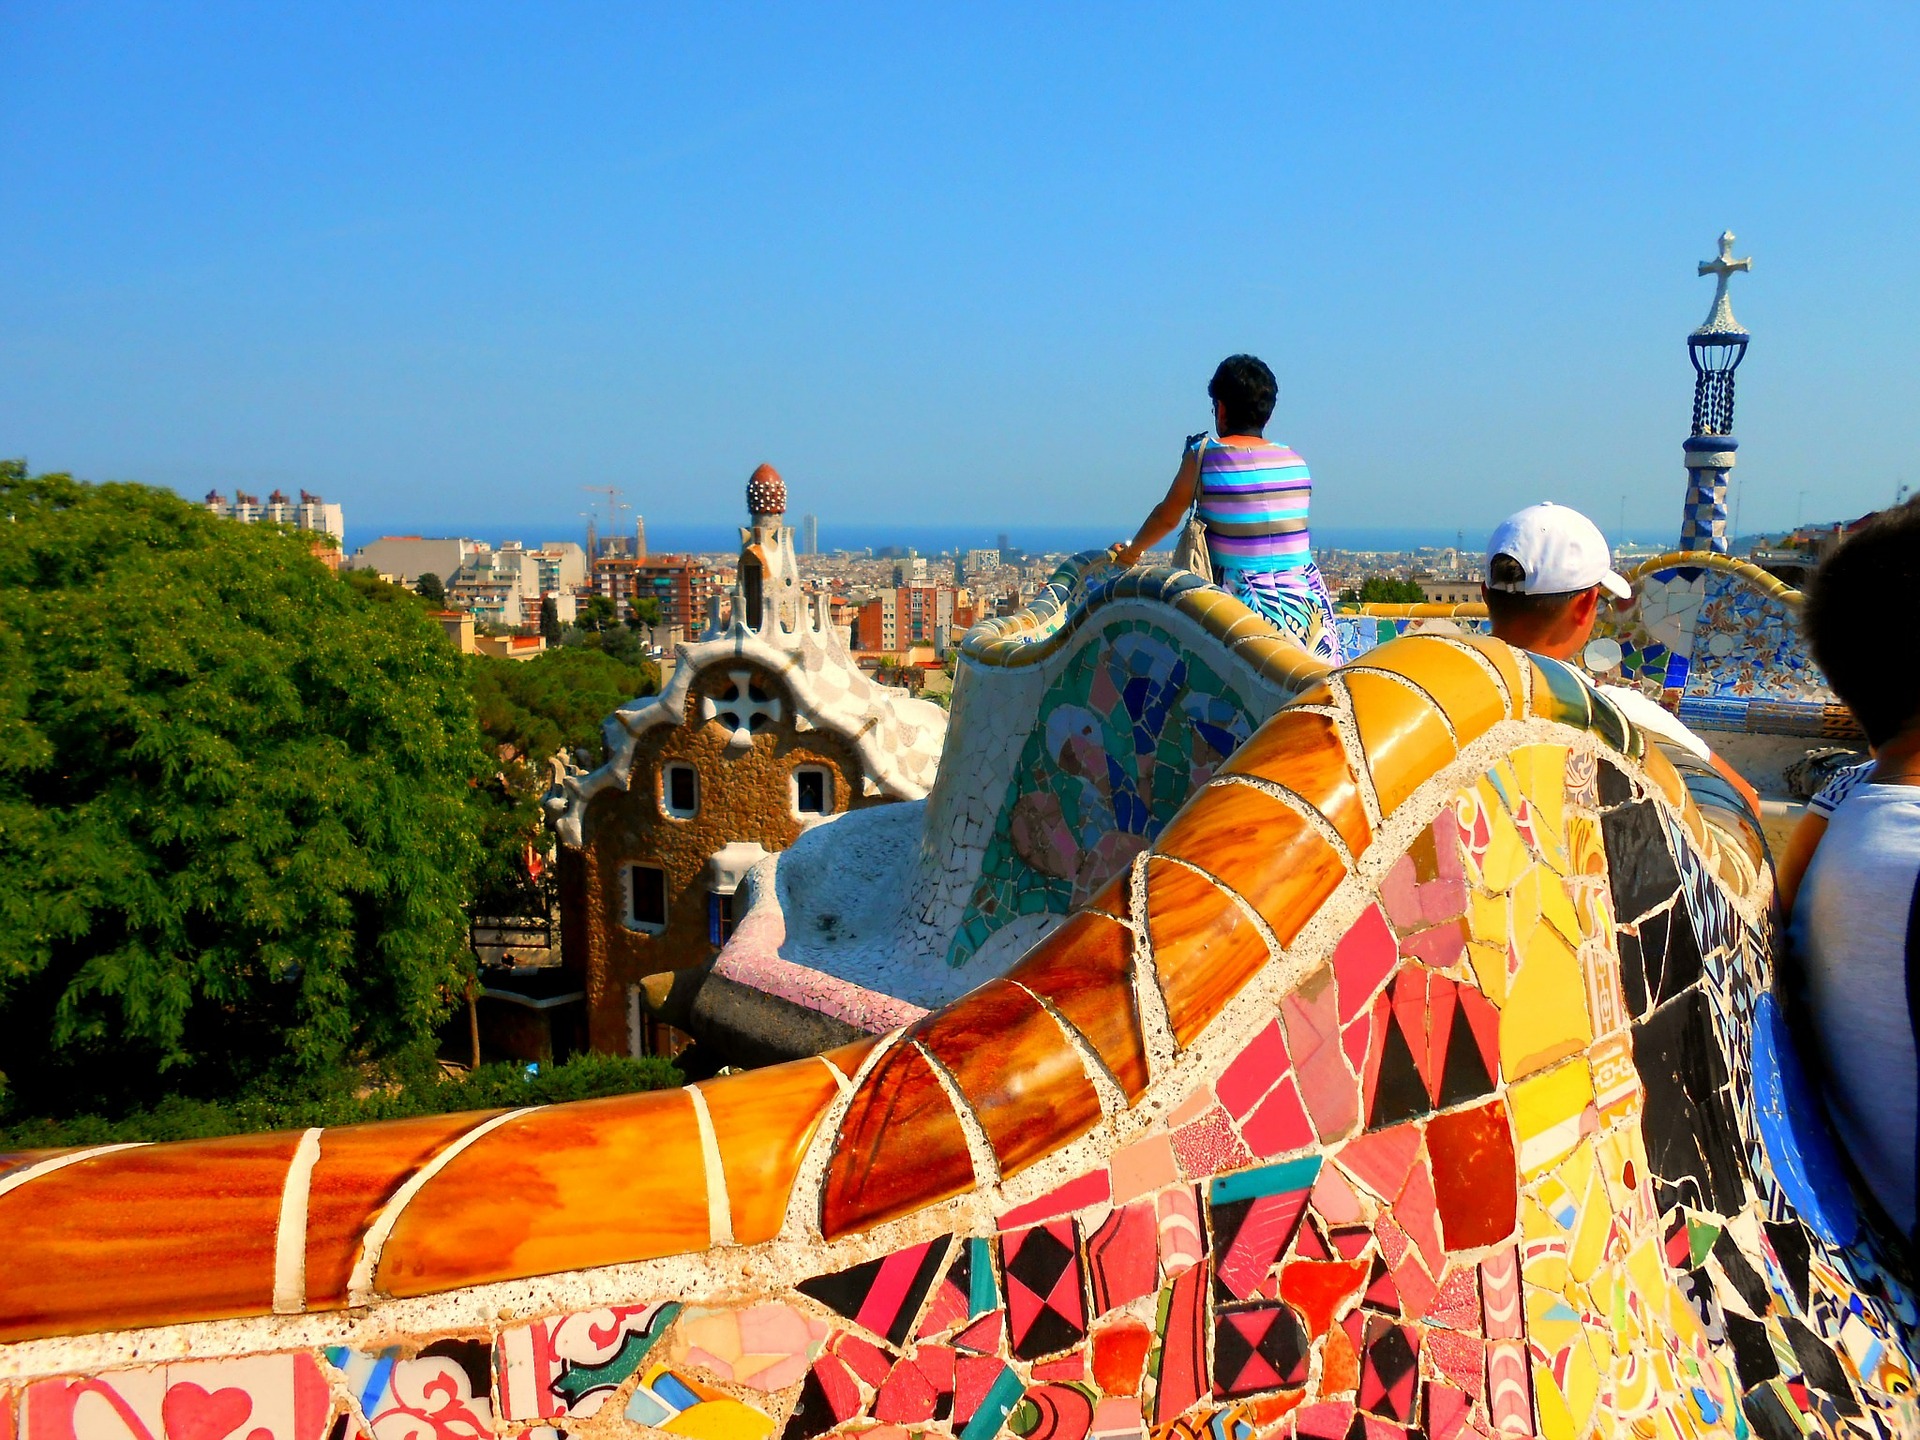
x=1296 y=601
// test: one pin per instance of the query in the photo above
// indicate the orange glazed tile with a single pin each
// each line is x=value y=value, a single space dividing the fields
x=763 y=1122
x=1085 y=971
x=1260 y=848
x=147 y=1236
x=1665 y=778
x=1302 y=751
x=848 y=1058
x=1115 y=897
x=1455 y=679
x=594 y=1182
x=1022 y=1076
x=1405 y=741
x=1204 y=948
x=1208 y=604
x=1508 y=661
x=900 y=1146
x=359 y=1168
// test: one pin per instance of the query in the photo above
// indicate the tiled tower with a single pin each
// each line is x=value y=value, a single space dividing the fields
x=1716 y=349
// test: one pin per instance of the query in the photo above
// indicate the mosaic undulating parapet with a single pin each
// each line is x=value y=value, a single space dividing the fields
x=1420 y=1079
x=1718 y=640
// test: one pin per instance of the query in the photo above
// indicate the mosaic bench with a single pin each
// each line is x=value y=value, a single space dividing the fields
x=1422 y=1079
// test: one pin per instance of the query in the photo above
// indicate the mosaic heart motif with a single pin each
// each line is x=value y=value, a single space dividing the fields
x=192 y=1413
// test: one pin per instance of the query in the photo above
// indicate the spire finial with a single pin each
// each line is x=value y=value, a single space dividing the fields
x=1722 y=267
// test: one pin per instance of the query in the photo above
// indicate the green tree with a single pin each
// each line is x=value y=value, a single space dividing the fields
x=528 y=710
x=1385 y=590
x=432 y=589
x=549 y=620
x=597 y=613
x=236 y=829
x=644 y=613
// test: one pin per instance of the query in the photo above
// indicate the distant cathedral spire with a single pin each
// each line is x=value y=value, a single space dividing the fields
x=1716 y=349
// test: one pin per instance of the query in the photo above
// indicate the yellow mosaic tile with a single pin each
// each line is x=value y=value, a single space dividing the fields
x=1542 y=773
x=1556 y=1421
x=1402 y=735
x=1589 y=1246
x=1585 y=854
x=1660 y=770
x=1506 y=854
x=1545 y=1017
x=1506 y=660
x=1550 y=1113
x=1454 y=679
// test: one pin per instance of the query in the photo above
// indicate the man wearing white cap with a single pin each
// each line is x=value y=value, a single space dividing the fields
x=1546 y=567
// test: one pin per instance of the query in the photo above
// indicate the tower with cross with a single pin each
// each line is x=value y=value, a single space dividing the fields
x=1716 y=349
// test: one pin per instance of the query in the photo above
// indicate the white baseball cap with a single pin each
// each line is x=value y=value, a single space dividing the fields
x=1561 y=550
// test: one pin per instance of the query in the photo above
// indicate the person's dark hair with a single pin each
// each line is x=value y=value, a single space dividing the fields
x=1246 y=390
x=1505 y=606
x=1862 y=618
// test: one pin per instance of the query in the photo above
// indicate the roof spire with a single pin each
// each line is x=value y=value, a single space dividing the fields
x=1720 y=319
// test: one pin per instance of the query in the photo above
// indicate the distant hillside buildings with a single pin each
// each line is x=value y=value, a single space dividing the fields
x=310 y=513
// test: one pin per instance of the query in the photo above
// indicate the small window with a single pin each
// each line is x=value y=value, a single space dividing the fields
x=646 y=897
x=720 y=918
x=813 y=790
x=680 y=788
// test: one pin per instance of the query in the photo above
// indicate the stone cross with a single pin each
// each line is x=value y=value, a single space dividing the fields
x=737 y=709
x=1720 y=319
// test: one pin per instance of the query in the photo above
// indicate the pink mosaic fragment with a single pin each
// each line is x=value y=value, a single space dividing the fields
x=1143 y=1167
x=1460 y=1359
x=1417 y=1288
x=1440 y=946
x=1328 y=1421
x=1328 y=1084
x=1253 y=1072
x=1092 y=1188
x=1334 y=1198
x=1210 y=1146
x=863 y=1357
x=984 y=1335
x=1280 y=1124
x=1118 y=1418
x=1500 y=1294
x=1382 y=1161
x=1457 y=1306
x=1418 y=1214
x=973 y=1377
x=1509 y=1388
x=1363 y=959
x=1446 y=1410
x=1181 y=1244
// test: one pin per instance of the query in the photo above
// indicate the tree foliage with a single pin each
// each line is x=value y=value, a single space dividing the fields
x=557 y=699
x=1386 y=590
x=234 y=799
x=431 y=589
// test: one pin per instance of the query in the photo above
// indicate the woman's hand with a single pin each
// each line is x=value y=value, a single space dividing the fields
x=1123 y=554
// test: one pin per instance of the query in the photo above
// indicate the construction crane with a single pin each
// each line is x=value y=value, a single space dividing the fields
x=614 y=507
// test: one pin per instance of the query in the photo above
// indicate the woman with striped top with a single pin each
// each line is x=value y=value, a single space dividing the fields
x=1252 y=496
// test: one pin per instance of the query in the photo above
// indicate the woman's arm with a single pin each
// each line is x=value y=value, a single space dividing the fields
x=1792 y=868
x=1167 y=513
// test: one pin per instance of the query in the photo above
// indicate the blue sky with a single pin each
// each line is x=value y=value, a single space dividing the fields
x=447 y=264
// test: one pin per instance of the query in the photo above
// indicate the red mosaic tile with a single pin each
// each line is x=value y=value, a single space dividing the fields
x=1253 y=1072
x=1475 y=1175
x=1445 y=1411
x=1120 y=1354
x=1440 y=946
x=1280 y=1125
x=1182 y=1377
x=1362 y=960
x=1182 y=1245
x=1327 y=1421
x=1092 y=1188
x=1319 y=1288
x=983 y=1336
x=1122 y=1259
x=1066 y=1367
x=905 y=1397
x=1339 y=1365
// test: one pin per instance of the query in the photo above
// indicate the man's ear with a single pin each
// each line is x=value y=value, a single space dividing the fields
x=1585 y=606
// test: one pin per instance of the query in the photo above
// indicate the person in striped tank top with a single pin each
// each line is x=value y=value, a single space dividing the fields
x=1252 y=496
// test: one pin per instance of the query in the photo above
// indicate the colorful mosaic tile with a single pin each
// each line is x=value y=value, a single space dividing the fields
x=1130 y=729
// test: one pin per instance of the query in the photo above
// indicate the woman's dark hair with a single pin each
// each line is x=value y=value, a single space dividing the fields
x=1245 y=389
x=1862 y=619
